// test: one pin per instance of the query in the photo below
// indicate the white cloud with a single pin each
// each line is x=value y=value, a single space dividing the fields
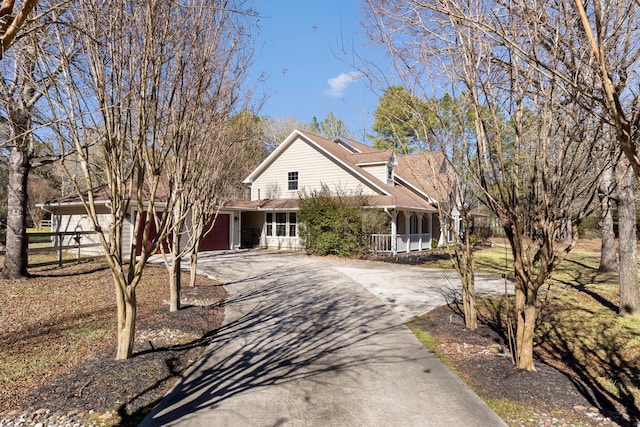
x=337 y=85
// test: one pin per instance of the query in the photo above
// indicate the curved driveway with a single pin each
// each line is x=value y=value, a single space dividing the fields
x=321 y=342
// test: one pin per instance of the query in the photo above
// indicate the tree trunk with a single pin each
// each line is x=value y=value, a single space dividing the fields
x=174 y=286
x=193 y=267
x=627 y=243
x=174 y=280
x=126 y=320
x=468 y=282
x=16 y=258
x=608 y=261
x=469 y=303
x=525 y=328
x=193 y=262
x=174 y=267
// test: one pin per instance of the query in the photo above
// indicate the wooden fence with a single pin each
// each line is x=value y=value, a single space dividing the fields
x=61 y=242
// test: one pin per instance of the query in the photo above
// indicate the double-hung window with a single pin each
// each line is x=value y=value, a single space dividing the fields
x=269 y=224
x=292 y=224
x=292 y=181
x=277 y=225
x=281 y=224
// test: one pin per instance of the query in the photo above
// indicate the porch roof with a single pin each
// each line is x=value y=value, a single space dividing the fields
x=401 y=199
x=262 y=205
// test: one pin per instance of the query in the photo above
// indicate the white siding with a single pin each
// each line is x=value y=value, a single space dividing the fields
x=314 y=168
x=379 y=171
x=292 y=243
x=75 y=219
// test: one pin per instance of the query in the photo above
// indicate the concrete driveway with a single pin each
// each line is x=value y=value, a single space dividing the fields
x=321 y=342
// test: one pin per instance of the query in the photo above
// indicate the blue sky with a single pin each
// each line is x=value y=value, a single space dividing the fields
x=300 y=53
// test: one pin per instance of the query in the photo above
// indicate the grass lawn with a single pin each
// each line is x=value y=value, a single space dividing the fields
x=579 y=331
x=36 y=236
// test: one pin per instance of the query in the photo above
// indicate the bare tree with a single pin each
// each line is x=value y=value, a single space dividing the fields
x=230 y=152
x=598 y=61
x=120 y=104
x=528 y=137
x=29 y=72
x=405 y=122
x=40 y=190
x=213 y=62
x=611 y=30
x=124 y=99
x=12 y=19
x=276 y=130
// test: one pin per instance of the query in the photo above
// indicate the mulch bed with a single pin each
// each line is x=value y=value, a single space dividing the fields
x=108 y=391
x=482 y=359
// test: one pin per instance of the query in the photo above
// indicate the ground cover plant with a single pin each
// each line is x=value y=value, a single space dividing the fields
x=588 y=357
x=58 y=341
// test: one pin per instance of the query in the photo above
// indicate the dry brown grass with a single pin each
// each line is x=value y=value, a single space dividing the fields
x=60 y=318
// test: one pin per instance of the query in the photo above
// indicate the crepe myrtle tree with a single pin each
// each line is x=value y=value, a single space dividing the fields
x=131 y=98
x=230 y=152
x=531 y=143
x=209 y=84
x=439 y=128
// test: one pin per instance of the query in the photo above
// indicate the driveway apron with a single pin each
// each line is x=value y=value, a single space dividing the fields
x=304 y=344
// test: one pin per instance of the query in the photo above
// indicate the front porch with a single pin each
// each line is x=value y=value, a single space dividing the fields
x=410 y=231
x=383 y=243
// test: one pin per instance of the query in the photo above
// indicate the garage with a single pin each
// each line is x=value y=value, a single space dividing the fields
x=218 y=238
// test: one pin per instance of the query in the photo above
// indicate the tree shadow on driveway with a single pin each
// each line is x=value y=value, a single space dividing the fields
x=284 y=326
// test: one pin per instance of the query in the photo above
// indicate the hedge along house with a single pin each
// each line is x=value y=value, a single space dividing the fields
x=403 y=186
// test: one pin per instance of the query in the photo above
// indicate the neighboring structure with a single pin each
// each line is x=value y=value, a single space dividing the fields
x=400 y=185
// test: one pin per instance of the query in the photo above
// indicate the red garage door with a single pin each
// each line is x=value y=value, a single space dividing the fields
x=152 y=235
x=218 y=238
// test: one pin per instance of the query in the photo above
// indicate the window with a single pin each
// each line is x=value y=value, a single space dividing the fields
x=269 y=224
x=277 y=225
x=292 y=181
x=292 y=224
x=281 y=224
x=443 y=167
x=389 y=173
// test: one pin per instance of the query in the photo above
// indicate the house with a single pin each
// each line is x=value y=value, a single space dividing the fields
x=402 y=186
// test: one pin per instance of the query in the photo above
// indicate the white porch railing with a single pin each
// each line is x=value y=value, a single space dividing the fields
x=404 y=243
x=381 y=243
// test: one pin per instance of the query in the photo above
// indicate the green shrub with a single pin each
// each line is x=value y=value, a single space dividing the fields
x=335 y=223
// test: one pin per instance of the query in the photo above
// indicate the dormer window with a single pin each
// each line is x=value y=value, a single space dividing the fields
x=292 y=181
x=389 y=174
x=443 y=167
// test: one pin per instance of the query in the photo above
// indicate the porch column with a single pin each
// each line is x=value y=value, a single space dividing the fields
x=420 y=216
x=238 y=242
x=407 y=229
x=263 y=233
x=394 y=232
x=430 y=229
